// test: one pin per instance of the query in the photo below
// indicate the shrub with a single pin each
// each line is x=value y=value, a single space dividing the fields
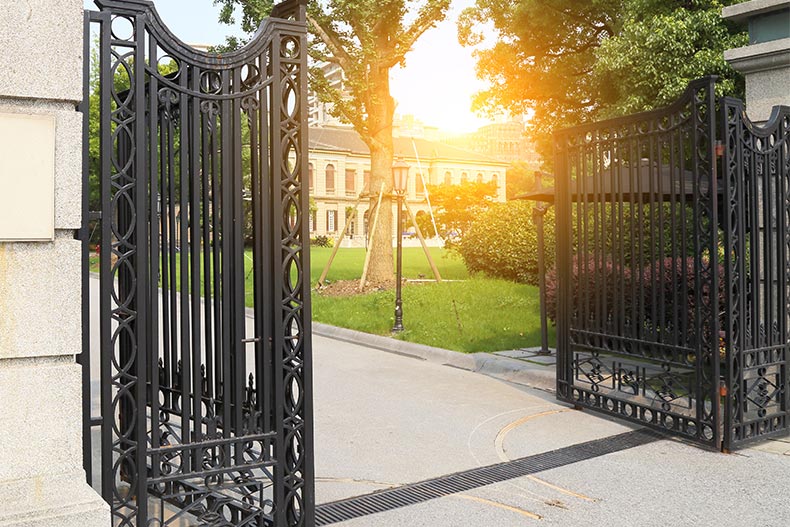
x=502 y=242
x=322 y=241
x=660 y=297
x=591 y=286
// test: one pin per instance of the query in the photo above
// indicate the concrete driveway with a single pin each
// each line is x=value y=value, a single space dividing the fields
x=383 y=420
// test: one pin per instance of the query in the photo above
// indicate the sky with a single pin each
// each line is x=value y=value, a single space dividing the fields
x=436 y=85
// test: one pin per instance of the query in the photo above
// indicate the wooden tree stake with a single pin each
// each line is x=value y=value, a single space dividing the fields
x=422 y=242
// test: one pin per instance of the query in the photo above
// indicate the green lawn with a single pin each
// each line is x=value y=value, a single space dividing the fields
x=477 y=314
x=467 y=314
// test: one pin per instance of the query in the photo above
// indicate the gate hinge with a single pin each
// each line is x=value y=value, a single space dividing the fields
x=81 y=234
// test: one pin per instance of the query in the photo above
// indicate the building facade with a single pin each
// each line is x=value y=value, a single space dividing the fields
x=504 y=141
x=339 y=176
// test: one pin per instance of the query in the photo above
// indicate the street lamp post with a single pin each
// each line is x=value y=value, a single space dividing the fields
x=400 y=177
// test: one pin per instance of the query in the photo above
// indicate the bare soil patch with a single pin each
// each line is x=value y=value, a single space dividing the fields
x=351 y=287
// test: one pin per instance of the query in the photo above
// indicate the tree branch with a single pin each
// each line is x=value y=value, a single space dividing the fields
x=332 y=42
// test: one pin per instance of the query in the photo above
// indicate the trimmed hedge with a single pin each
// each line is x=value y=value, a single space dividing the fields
x=660 y=296
x=503 y=242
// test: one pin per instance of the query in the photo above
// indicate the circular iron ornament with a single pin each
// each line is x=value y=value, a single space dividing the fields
x=211 y=82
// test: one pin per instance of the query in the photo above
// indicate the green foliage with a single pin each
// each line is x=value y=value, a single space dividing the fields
x=366 y=39
x=573 y=62
x=503 y=242
x=633 y=232
x=462 y=316
x=425 y=223
x=457 y=206
x=322 y=241
x=521 y=179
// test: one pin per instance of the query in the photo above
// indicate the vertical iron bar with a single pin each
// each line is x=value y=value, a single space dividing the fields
x=654 y=251
x=265 y=315
x=184 y=243
x=207 y=155
x=563 y=245
x=84 y=359
x=662 y=268
x=688 y=196
x=165 y=203
x=277 y=272
x=732 y=228
x=154 y=209
x=636 y=164
x=238 y=351
x=254 y=123
x=237 y=308
x=677 y=231
x=194 y=152
x=713 y=380
x=308 y=463
x=141 y=268
x=108 y=473
x=618 y=234
x=217 y=243
x=173 y=245
x=228 y=338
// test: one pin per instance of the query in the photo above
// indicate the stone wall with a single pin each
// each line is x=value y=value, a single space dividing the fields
x=42 y=482
x=766 y=65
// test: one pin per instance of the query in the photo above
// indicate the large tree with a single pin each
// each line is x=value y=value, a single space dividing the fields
x=571 y=61
x=366 y=39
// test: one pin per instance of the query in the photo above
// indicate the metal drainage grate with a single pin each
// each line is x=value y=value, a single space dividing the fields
x=413 y=493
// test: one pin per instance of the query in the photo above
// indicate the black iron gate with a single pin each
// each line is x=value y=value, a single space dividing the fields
x=756 y=176
x=193 y=188
x=673 y=267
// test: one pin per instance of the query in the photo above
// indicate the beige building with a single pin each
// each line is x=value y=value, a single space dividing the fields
x=339 y=171
x=505 y=141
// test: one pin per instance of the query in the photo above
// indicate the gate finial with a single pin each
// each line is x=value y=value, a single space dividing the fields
x=291 y=9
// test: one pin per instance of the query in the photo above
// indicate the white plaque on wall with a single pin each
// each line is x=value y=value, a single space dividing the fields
x=27 y=177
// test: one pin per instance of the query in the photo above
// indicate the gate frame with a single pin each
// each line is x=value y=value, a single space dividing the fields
x=282 y=203
x=719 y=172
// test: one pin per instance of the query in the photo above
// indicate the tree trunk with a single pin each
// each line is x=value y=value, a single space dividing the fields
x=381 y=157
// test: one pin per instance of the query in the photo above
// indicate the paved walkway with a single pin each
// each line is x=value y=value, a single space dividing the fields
x=384 y=419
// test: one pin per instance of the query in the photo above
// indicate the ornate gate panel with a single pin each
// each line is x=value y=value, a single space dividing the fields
x=756 y=170
x=205 y=346
x=638 y=267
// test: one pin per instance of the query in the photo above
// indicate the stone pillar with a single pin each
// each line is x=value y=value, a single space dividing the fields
x=766 y=60
x=42 y=482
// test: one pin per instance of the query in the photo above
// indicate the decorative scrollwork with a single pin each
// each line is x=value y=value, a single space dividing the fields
x=192 y=422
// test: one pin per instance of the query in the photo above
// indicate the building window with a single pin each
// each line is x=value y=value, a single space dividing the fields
x=495 y=179
x=464 y=177
x=313 y=220
x=420 y=185
x=351 y=176
x=331 y=221
x=330 y=179
x=310 y=178
x=448 y=178
x=366 y=180
x=479 y=177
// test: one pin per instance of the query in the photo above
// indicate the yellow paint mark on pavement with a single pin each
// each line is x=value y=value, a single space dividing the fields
x=500 y=437
x=499 y=506
x=562 y=490
x=500 y=450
